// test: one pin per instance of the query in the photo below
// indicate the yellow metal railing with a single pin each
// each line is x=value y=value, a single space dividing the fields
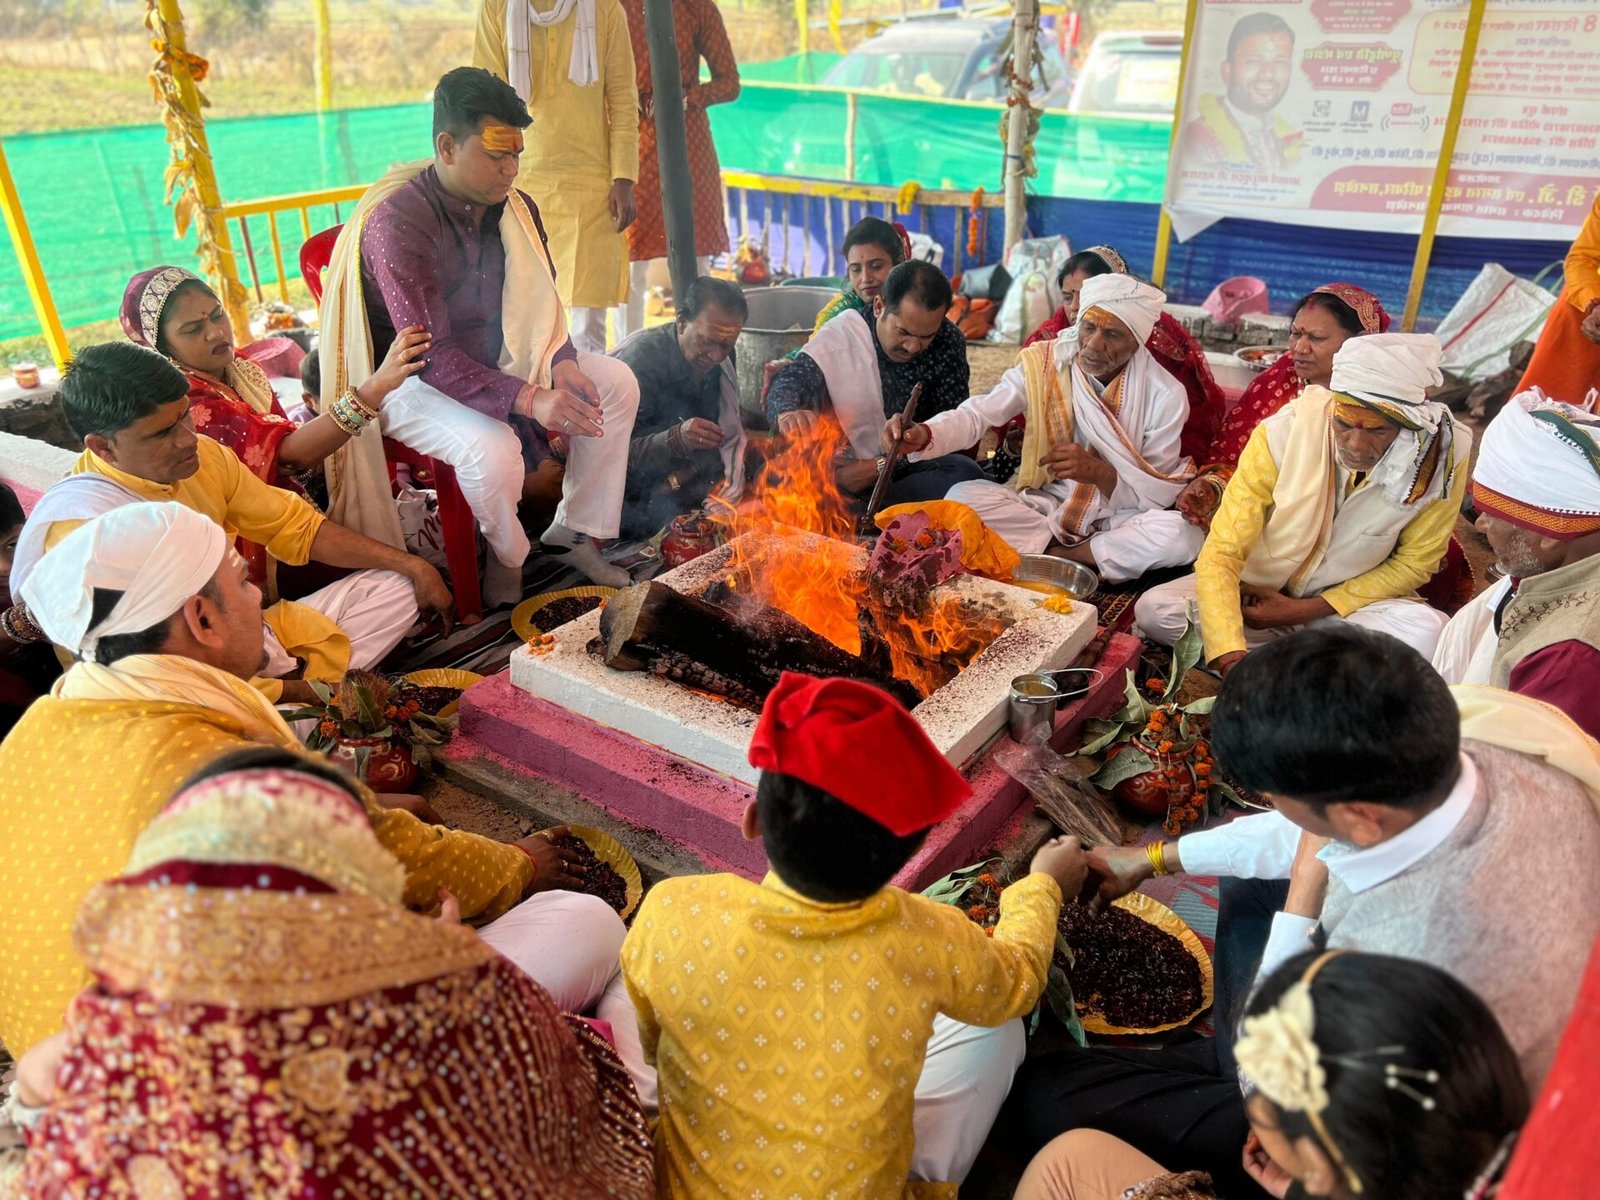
x=272 y=209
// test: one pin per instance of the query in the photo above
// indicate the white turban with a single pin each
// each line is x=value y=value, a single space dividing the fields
x=1391 y=374
x=156 y=555
x=1539 y=467
x=1137 y=305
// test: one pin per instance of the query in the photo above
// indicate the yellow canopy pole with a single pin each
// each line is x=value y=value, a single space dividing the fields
x=1158 y=269
x=32 y=272
x=324 y=56
x=192 y=169
x=801 y=17
x=1441 y=172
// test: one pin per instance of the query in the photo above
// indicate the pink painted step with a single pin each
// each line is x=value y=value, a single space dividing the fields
x=686 y=804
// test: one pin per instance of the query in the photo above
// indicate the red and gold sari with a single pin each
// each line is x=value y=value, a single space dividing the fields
x=268 y=1022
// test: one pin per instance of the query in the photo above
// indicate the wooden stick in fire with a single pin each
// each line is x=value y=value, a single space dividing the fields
x=890 y=459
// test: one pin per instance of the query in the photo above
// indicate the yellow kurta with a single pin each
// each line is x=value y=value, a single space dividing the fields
x=582 y=139
x=79 y=780
x=225 y=490
x=789 y=1035
x=1245 y=510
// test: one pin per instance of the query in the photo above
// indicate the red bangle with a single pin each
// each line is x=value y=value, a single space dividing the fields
x=532 y=862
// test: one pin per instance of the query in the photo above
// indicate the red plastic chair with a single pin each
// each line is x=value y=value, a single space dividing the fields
x=456 y=521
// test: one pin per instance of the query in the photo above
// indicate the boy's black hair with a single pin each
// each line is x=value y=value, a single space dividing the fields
x=311 y=374
x=873 y=231
x=1337 y=713
x=1374 y=1011
x=466 y=95
x=922 y=282
x=108 y=387
x=823 y=848
x=11 y=514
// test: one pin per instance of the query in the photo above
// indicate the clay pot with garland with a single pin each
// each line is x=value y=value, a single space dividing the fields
x=379 y=730
x=1155 y=757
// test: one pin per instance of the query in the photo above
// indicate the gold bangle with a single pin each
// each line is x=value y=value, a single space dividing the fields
x=1156 y=852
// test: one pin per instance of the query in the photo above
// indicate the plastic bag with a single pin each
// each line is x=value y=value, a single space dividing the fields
x=1034 y=264
x=419 y=522
x=926 y=249
x=1497 y=311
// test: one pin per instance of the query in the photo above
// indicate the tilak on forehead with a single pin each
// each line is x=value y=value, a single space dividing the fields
x=501 y=139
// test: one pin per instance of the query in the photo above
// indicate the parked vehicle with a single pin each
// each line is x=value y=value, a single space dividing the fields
x=1129 y=74
x=954 y=58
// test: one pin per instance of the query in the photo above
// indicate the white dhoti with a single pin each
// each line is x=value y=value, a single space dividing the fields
x=374 y=609
x=567 y=942
x=1465 y=652
x=1126 y=546
x=1162 y=613
x=487 y=456
x=965 y=1079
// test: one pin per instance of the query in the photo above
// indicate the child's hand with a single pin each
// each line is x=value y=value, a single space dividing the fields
x=403 y=361
x=1064 y=861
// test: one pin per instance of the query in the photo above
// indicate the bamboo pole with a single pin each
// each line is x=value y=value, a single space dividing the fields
x=324 y=55
x=672 y=144
x=209 y=210
x=1024 y=31
x=1158 y=269
x=32 y=271
x=1441 y=172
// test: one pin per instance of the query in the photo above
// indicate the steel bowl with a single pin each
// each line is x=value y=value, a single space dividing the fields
x=1075 y=579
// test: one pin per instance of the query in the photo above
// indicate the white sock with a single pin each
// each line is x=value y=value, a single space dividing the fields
x=579 y=551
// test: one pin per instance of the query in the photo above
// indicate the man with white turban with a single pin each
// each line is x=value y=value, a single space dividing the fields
x=1342 y=505
x=1537 y=491
x=1101 y=465
x=166 y=625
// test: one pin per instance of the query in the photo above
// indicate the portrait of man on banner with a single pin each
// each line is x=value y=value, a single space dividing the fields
x=1238 y=129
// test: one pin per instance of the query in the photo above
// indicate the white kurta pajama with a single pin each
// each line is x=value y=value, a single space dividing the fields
x=1132 y=531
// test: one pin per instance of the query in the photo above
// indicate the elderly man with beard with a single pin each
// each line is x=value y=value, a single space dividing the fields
x=1342 y=505
x=1537 y=491
x=1101 y=464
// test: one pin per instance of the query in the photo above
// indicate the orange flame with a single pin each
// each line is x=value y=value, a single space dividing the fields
x=821 y=584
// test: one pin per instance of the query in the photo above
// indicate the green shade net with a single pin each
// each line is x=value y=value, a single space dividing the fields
x=93 y=197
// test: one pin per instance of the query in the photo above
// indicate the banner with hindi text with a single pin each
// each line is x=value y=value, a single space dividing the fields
x=1333 y=112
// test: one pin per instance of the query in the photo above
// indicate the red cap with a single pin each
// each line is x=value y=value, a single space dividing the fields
x=858 y=744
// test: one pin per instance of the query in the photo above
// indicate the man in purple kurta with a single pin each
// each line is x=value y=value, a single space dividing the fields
x=433 y=254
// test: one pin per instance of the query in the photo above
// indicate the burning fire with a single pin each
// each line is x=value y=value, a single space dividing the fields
x=821 y=584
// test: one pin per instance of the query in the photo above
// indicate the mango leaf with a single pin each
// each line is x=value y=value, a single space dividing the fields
x=370 y=714
x=1132 y=761
x=1058 y=993
x=1099 y=735
x=324 y=691
x=1137 y=708
x=1201 y=707
x=953 y=886
x=1186 y=652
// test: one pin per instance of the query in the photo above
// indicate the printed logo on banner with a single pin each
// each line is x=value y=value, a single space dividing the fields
x=1360 y=111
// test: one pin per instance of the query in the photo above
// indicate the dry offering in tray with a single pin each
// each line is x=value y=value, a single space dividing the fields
x=1135 y=968
x=609 y=871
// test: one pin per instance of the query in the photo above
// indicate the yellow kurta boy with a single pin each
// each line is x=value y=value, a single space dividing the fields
x=789 y=1020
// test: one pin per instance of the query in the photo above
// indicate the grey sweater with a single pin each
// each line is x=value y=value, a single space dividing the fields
x=1509 y=904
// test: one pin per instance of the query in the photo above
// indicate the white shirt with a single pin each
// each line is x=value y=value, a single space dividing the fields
x=1361 y=870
